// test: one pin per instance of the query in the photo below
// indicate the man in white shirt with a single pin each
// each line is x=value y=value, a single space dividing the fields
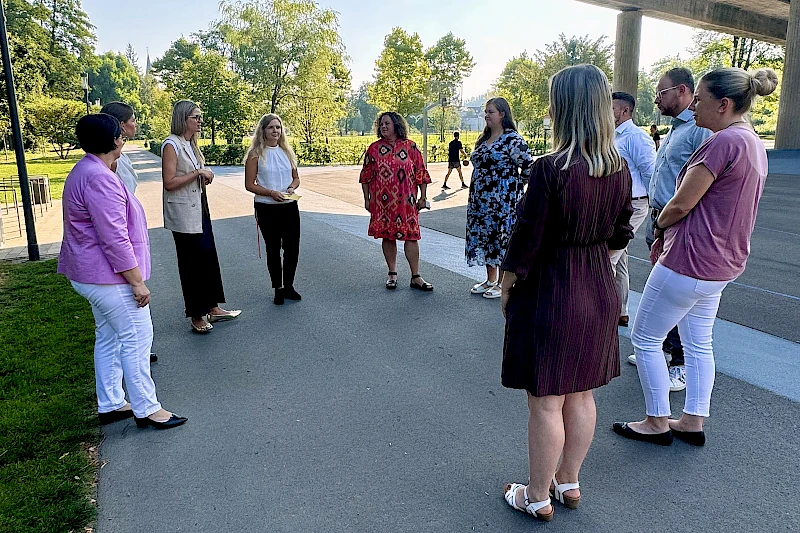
x=639 y=150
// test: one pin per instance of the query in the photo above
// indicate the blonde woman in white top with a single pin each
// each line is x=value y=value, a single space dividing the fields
x=270 y=172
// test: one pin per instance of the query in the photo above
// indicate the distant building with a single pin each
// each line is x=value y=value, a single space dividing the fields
x=147 y=68
x=472 y=119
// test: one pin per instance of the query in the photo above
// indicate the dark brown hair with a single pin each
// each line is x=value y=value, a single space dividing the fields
x=400 y=125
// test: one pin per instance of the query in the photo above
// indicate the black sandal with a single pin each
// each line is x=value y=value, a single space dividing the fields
x=424 y=286
x=391 y=284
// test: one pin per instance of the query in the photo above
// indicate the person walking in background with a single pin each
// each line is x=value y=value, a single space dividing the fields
x=559 y=300
x=494 y=191
x=637 y=149
x=455 y=155
x=702 y=241
x=186 y=214
x=123 y=167
x=394 y=182
x=105 y=253
x=655 y=136
x=270 y=172
x=674 y=95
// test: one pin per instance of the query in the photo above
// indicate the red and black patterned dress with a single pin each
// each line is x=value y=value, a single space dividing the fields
x=393 y=171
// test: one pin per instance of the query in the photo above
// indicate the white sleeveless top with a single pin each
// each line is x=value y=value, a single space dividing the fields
x=126 y=173
x=274 y=173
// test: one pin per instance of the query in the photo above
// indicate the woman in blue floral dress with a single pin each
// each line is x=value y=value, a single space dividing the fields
x=496 y=187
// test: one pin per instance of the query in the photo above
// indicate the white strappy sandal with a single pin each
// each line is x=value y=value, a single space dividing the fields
x=557 y=491
x=531 y=508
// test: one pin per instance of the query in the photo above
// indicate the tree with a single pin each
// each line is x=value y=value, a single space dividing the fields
x=271 y=40
x=449 y=63
x=156 y=116
x=521 y=85
x=115 y=79
x=401 y=74
x=167 y=68
x=645 y=112
x=366 y=111
x=714 y=50
x=133 y=58
x=70 y=44
x=221 y=94
x=574 y=51
x=54 y=119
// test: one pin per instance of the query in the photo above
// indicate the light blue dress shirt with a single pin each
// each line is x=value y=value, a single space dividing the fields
x=639 y=150
x=683 y=139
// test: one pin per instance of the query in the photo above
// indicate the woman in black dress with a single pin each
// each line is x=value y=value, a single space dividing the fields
x=559 y=299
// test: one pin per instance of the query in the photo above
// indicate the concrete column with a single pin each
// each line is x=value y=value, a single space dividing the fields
x=626 y=52
x=787 y=136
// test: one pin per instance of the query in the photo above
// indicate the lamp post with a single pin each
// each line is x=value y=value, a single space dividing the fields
x=546 y=124
x=19 y=150
x=85 y=85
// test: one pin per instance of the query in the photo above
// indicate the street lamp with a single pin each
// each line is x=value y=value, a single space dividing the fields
x=85 y=85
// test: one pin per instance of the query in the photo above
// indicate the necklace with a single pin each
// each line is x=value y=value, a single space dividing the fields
x=735 y=122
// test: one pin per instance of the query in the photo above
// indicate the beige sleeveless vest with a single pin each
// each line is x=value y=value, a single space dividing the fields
x=183 y=210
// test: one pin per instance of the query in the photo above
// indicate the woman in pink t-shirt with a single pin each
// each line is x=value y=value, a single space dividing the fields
x=702 y=244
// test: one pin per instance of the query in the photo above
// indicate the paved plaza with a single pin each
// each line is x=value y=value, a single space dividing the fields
x=364 y=410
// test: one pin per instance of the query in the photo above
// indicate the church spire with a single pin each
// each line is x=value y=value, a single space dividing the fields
x=147 y=68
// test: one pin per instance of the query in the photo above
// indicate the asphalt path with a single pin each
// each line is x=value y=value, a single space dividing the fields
x=360 y=409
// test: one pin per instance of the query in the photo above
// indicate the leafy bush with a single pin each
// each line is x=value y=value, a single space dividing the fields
x=155 y=147
x=213 y=153
x=234 y=154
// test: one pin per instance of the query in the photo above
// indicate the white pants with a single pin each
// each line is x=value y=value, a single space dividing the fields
x=668 y=299
x=619 y=259
x=123 y=337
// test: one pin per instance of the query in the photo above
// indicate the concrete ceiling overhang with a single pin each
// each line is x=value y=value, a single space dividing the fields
x=764 y=20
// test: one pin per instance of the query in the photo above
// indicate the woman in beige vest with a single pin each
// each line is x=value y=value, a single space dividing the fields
x=186 y=214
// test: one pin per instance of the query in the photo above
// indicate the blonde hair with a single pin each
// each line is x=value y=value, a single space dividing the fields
x=740 y=86
x=180 y=112
x=259 y=142
x=583 y=119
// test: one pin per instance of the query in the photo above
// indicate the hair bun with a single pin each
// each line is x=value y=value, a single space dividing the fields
x=764 y=81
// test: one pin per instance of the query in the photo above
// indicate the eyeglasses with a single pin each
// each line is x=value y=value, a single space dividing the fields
x=660 y=94
x=198 y=118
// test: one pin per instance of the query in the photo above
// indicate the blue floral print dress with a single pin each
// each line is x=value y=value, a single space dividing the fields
x=495 y=190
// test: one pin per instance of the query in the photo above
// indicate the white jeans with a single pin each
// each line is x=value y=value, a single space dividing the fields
x=619 y=259
x=123 y=337
x=670 y=298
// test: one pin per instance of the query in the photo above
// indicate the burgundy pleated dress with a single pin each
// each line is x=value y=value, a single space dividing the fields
x=561 y=318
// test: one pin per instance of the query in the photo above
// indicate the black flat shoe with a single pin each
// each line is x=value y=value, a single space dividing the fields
x=114 y=416
x=278 y=297
x=153 y=357
x=174 y=421
x=662 y=439
x=424 y=286
x=695 y=438
x=291 y=294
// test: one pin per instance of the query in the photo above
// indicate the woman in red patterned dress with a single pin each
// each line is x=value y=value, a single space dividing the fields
x=393 y=171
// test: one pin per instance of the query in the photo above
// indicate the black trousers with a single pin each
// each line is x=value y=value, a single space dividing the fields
x=198 y=267
x=280 y=227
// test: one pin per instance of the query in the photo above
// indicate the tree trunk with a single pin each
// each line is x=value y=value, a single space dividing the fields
x=213 y=132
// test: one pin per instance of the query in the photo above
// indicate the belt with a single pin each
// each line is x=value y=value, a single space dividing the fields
x=640 y=197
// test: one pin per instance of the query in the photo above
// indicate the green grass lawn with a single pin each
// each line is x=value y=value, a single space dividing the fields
x=57 y=170
x=47 y=402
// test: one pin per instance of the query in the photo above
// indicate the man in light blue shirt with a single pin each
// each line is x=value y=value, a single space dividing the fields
x=638 y=149
x=674 y=94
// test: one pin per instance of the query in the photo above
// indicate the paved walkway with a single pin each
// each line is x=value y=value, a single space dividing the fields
x=360 y=409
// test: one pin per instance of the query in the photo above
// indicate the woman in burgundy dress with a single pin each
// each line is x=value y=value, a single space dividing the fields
x=559 y=300
x=393 y=172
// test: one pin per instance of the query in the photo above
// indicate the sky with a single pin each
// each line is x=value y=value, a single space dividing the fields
x=493 y=34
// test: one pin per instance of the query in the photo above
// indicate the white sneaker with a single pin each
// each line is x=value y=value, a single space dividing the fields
x=494 y=292
x=677 y=378
x=632 y=358
x=482 y=287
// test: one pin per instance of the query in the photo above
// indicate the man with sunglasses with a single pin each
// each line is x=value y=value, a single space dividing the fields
x=674 y=94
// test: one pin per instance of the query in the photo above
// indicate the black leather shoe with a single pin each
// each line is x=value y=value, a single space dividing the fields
x=278 y=297
x=291 y=294
x=695 y=438
x=153 y=357
x=174 y=421
x=114 y=416
x=662 y=439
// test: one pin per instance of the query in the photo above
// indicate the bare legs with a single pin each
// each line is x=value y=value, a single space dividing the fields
x=491 y=274
x=411 y=248
x=559 y=427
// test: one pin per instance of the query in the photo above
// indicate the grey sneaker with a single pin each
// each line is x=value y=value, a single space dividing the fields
x=632 y=358
x=677 y=378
